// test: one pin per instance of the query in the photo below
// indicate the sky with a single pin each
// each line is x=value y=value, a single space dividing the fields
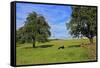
x=56 y=15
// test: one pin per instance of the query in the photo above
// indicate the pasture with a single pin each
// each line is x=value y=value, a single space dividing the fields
x=48 y=52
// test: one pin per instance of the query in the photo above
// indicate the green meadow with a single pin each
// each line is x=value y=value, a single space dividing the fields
x=74 y=51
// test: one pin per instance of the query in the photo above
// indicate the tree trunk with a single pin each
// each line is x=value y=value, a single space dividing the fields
x=33 y=40
x=91 y=40
x=34 y=44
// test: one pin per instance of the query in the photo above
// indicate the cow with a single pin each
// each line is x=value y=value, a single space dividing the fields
x=61 y=47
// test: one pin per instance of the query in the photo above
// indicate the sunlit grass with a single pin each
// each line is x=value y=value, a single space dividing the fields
x=49 y=53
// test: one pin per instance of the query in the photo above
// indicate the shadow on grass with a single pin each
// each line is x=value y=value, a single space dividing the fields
x=74 y=46
x=40 y=46
x=44 y=46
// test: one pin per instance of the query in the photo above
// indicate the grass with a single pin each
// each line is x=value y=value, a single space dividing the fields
x=49 y=53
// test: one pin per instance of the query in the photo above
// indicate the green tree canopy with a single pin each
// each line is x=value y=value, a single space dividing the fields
x=35 y=29
x=83 y=22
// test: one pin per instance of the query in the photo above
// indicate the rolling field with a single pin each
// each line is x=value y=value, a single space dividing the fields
x=49 y=53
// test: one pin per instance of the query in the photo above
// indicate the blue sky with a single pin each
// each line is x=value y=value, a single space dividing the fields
x=56 y=15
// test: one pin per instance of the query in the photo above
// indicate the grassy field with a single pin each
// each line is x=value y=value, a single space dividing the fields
x=49 y=53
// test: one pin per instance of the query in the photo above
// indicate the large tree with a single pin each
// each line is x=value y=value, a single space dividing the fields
x=35 y=29
x=83 y=22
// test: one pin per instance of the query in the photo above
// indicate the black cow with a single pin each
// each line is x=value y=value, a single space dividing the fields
x=61 y=47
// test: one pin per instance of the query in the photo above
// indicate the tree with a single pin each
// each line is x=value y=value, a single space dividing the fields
x=19 y=36
x=35 y=29
x=83 y=22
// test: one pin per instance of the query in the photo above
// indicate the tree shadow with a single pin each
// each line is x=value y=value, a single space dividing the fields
x=44 y=46
x=28 y=47
x=74 y=46
x=40 y=46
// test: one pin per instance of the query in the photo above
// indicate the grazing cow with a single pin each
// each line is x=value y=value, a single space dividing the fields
x=61 y=47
